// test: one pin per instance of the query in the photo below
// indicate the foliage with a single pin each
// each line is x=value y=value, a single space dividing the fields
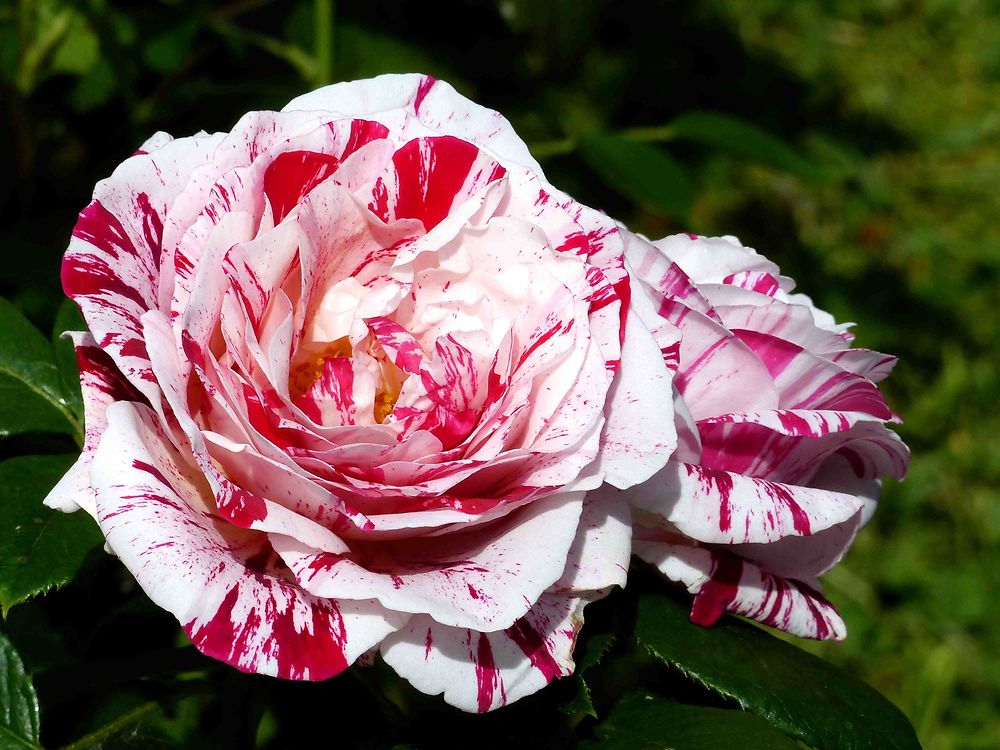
x=854 y=143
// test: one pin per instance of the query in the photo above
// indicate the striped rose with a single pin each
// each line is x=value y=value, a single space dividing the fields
x=353 y=371
x=782 y=436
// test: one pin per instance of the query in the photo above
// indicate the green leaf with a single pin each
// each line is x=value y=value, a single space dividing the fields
x=590 y=655
x=39 y=548
x=168 y=51
x=68 y=318
x=800 y=694
x=18 y=703
x=739 y=137
x=639 y=171
x=23 y=410
x=135 y=728
x=642 y=721
x=27 y=358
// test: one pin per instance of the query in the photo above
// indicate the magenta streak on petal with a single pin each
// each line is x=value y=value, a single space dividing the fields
x=718 y=592
x=317 y=648
x=239 y=506
x=381 y=253
x=754 y=281
x=362 y=133
x=718 y=484
x=99 y=227
x=404 y=350
x=152 y=226
x=88 y=275
x=531 y=642
x=98 y=370
x=687 y=371
x=429 y=174
x=428 y=643
x=798 y=425
x=487 y=675
x=422 y=90
x=586 y=244
x=380 y=200
x=800 y=520
x=822 y=629
x=151 y=470
x=292 y=175
x=543 y=337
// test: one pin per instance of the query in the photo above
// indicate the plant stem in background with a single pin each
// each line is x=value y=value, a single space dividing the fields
x=323 y=21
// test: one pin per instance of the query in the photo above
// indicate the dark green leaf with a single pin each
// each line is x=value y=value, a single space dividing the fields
x=39 y=548
x=18 y=704
x=68 y=318
x=647 y=722
x=169 y=50
x=23 y=410
x=26 y=357
x=798 y=693
x=132 y=729
x=594 y=650
x=741 y=138
x=639 y=171
x=590 y=654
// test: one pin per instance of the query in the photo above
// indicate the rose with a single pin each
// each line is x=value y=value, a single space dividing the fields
x=348 y=372
x=781 y=432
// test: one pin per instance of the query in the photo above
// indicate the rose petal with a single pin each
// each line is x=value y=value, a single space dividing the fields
x=722 y=583
x=434 y=102
x=725 y=508
x=484 y=579
x=479 y=671
x=155 y=514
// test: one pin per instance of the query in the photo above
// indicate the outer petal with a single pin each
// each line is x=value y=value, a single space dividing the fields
x=722 y=583
x=639 y=434
x=102 y=385
x=483 y=671
x=156 y=515
x=724 y=508
x=600 y=553
x=483 y=579
x=435 y=103
x=112 y=266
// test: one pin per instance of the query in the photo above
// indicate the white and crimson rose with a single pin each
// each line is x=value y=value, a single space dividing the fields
x=352 y=370
x=782 y=436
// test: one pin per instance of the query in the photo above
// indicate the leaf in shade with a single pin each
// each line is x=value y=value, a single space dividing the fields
x=640 y=172
x=739 y=137
x=26 y=359
x=18 y=703
x=591 y=653
x=23 y=410
x=39 y=548
x=68 y=318
x=798 y=693
x=641 y=721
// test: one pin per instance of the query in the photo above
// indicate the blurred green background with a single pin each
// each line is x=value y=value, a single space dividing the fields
x=855 y=143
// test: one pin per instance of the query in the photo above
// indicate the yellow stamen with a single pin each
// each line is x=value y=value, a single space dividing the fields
x=303 y=375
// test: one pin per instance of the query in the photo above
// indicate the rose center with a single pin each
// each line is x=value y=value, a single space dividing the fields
x=304 y=375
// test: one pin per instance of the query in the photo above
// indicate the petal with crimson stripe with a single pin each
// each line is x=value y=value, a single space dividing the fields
x=725 y=508
x=434 y=103
x=479 y=671
x=722 y=583
x=156 y=514
x=102 y=384
x=484 y=578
